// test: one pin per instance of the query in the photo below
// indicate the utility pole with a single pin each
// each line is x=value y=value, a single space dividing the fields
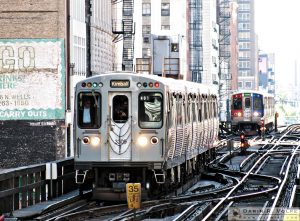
x=88 y=15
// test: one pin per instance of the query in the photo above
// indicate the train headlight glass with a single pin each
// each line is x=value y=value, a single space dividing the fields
x=142 y=141
x=255 y=114
x=89 y=84
x=83 y=84
x=86 y=140
x=139 y=84
x=95 y=141
x=100 y=84
x=95 y=84
x=239 y=114
x=154 y=140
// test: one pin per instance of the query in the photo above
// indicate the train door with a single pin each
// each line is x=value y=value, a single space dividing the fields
x=247 y=108
x=120 y=125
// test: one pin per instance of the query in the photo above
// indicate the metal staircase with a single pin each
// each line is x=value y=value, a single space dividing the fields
x=128 y=31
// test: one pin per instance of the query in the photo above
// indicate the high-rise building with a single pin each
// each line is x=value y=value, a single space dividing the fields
x=210 y=39
x=248 y=56
x=267 y=72
x=102 y=46
x=227 y=20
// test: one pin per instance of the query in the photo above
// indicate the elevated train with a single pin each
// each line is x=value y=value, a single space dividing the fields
x=252 y=111
x=141 y=128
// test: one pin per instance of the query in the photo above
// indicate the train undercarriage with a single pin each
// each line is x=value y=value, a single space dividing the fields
x=109 y=183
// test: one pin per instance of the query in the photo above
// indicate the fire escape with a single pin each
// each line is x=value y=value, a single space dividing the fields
x=224 y=18
x=195 y=40
x=124 y=30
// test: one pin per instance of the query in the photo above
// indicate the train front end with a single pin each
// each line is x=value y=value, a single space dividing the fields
x=119 y=137
x=246 y=112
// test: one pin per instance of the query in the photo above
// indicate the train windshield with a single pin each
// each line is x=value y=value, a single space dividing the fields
x=88 y=107
x=150 y=110
x=257 y=103
x=120 y=108
x=237 y=103
x=247 y=102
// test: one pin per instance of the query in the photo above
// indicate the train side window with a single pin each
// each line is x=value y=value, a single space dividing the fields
x=237 y=103
x=120 y=108
x=200 y=110
x=89 y=110
x=150 y=110
x=179 y=110
x=247 y=102
x=194 y=117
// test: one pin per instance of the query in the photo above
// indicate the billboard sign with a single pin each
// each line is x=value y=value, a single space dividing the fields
x=32 y=79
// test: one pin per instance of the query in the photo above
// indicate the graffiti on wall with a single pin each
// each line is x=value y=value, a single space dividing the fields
x=32 y=79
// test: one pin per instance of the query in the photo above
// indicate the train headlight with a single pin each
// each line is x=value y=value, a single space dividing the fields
x=255 y=114
x=95 y=141
x=239 y=114
x=142 y=141
x=86 y=140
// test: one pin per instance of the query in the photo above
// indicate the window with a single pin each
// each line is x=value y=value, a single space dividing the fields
x=146 y=52
x=244 y=54
x=150 y=110
x=165 y=9
x=146 y=32
x=248 y=84
x=244 y=16
x=120 y=108
x=237 y=103
x=244 y=64
x=146 y=39
x=244 y=26
x=244 y=45
x=165 y=27
x=146 y=9
x=174 y=47
x=240 y=84
x=244 y=35
x=257 y=103
x=89 y=109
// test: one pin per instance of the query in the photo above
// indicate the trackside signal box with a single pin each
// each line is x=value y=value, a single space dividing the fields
x=133 y=192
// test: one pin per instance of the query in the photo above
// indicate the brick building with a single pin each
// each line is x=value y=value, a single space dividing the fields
x=32 y=81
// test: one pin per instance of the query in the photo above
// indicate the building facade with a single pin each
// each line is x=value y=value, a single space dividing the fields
x=210 y=41
x=227 y=20
x=248 y=55
x=169 y=39
x=267 y=73
x=102 y=46
x=33 y=74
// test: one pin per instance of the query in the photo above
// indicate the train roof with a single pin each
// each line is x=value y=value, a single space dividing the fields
x=173 y=84
x=265 y=94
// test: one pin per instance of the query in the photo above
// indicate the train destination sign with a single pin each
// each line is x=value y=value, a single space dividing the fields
x=120 y=83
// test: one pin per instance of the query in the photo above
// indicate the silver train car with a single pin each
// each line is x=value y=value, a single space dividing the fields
x=141 y=129
x=252 y=110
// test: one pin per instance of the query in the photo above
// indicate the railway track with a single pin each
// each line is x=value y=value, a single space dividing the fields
x=265 y=178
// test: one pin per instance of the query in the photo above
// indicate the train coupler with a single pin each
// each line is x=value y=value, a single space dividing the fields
x=159 y=176
x=80 y=176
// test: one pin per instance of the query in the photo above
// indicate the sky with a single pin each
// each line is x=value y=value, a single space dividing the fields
x=278 y=29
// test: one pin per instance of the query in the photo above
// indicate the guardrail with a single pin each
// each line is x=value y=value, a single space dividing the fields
x=26 y=186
